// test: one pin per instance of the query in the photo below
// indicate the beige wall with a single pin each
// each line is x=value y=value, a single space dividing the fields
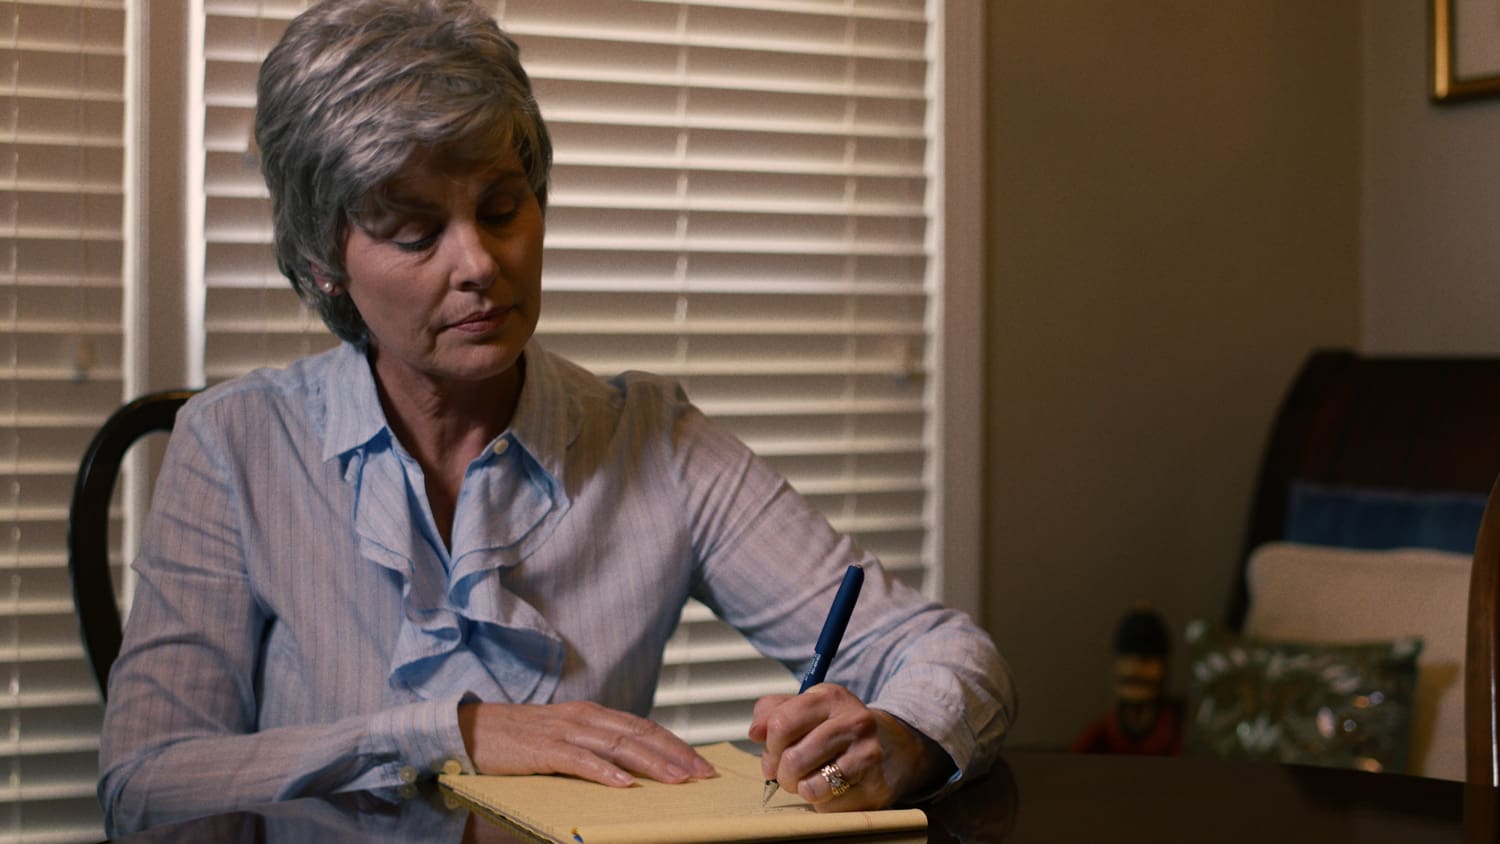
x=1431 y=200
x=1173 y=223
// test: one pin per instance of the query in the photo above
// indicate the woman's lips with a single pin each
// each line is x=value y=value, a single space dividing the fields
x=481 y=322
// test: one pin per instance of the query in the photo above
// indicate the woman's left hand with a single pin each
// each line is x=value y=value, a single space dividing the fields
x=881 y=758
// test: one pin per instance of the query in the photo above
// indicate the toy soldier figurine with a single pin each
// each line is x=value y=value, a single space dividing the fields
x=1144 y=721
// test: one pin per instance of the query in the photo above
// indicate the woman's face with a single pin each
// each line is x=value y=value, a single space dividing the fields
x=446 y=270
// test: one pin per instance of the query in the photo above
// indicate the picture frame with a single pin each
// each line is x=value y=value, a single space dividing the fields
x=1465 y=50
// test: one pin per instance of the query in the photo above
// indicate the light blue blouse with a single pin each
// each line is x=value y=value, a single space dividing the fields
x=298 y=627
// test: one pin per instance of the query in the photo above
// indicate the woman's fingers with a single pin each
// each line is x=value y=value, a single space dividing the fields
x=762 y=711
x=633 y=743
x=585 y=740
x=836 y=753
x=803 y=733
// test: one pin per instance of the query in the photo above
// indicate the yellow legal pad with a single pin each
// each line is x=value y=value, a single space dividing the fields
x=723 y=808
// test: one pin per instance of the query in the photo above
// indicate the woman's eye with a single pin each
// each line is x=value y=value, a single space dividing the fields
x=498 y=220
x=415 y=238
x=499 y=214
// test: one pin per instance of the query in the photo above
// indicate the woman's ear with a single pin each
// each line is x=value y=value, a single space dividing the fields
x=325 y=284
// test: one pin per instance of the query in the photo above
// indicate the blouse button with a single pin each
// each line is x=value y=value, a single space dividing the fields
x=452 y=768
x=408 y=774
x=501 y=445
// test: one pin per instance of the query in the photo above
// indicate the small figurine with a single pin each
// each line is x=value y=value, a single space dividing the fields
x=1144 y=721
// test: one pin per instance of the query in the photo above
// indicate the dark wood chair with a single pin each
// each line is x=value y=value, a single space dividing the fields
x=88 y=523
x=1482 y=660
x=1418 y=424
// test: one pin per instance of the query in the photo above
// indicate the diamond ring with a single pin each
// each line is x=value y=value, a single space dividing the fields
x=839 y=784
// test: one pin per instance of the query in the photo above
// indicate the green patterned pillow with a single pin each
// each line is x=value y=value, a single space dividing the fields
x=1338 y=705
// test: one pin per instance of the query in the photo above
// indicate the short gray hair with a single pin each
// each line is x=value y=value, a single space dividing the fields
x=346 y=96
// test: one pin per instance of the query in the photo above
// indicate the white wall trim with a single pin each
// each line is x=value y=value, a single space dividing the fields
x=960 y=338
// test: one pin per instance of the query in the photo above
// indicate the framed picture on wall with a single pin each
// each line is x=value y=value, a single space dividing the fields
x=1465 y=49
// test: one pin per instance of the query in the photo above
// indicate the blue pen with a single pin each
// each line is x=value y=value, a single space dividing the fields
x=828 y=640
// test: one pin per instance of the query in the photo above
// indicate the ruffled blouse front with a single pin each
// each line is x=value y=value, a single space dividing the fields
x=461 y=630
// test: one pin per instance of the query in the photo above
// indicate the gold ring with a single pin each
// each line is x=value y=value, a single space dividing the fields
x=836 y=779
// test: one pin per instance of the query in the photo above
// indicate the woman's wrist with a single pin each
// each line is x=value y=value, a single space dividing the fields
x=923 y=764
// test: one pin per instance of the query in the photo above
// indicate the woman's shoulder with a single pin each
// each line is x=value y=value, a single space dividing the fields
x=635 y=390
x=281 y=392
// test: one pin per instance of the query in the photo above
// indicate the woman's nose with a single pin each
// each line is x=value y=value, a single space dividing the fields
x=474 y=265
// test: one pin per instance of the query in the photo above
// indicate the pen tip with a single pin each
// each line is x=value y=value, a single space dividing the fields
x=770 y=790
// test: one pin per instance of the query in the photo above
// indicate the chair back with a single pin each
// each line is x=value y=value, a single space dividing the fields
x=88 y=523
x=1389 y=422
x=1482 y=659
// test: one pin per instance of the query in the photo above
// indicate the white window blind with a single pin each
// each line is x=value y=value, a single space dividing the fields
x=62 y=252
x=742 y=199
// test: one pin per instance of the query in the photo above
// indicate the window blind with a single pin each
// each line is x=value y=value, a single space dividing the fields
x=62 y=252
x=742 y=199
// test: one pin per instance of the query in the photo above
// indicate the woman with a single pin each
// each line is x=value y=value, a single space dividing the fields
x=439 y=547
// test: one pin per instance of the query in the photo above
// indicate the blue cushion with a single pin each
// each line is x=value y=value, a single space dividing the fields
x=1379 y=519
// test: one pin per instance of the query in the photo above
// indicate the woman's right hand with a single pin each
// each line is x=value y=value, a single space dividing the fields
x=580 y=739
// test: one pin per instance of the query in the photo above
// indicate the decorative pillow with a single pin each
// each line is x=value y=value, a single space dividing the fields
x=1375 y=519
x=1308 y=593
x=1343 y=705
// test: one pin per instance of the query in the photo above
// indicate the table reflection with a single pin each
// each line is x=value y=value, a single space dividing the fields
x=422 y=816
x=983 y=812
x=977 y=814
x=1028 y=797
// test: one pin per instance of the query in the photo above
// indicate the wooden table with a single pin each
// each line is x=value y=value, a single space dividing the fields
x=1032 y=796
x=1047 y=797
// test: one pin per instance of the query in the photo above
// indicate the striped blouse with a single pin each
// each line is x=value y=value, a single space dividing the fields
x=299 y=627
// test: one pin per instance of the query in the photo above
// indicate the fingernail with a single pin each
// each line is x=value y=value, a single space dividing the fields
x=622 y=778
x=702 y=768
x=676 y=773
